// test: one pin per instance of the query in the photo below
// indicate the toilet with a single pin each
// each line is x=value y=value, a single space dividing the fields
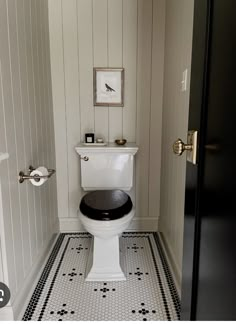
x=107 y=209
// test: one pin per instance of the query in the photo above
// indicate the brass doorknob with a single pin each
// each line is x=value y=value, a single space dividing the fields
x=179 y=147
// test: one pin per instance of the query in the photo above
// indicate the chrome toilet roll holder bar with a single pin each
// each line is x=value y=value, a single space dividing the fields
x=23 y=176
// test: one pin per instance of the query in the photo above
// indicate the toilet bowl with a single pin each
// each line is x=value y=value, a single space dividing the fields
x=105 y=214
x=107 y=210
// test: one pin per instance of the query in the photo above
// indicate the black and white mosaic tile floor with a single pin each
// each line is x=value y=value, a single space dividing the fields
x=147 y=294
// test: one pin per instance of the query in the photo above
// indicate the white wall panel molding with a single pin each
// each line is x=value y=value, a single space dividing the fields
x=28 y=214
x=24 y=29
x=115 y=59
x=86 y=63
x=6 y=313
x=178 y=39
x=4 y=170
x=51 y=139
x=11 y=137
x=37 y=115
x=155 y=128
x=3 y=251
x=72 y=94
x=130 y=52
x=25 y=121
x=144 y=73
x=100 y=59
x=59 y=104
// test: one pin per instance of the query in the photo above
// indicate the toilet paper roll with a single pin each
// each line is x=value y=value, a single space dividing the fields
x=41 y=171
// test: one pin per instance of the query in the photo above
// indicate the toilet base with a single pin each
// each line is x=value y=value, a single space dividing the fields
x=104 y=260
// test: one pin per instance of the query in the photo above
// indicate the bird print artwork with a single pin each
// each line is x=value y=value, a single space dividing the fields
x=108 y=88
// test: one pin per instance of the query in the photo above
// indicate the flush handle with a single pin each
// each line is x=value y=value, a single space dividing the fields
x=85 y=158
x=191 y=147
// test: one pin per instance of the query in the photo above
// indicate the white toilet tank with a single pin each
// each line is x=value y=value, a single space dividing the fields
x=107 y=167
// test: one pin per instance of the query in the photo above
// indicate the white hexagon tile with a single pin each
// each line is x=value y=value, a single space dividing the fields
x=148 y=293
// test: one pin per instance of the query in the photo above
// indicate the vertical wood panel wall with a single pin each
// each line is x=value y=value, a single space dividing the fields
x=26 y=133
x=108 y=33
x=178 y=48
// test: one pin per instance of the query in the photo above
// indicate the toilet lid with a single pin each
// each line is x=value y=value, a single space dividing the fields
x=106 y=204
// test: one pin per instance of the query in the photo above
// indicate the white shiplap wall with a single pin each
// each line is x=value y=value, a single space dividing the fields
x=178 y=48
x=27 y=134
x=107 y=33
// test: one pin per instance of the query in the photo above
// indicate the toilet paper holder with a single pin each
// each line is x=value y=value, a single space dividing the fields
x=23 y=176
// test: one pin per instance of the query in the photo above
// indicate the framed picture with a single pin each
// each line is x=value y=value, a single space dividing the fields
x=108 y=86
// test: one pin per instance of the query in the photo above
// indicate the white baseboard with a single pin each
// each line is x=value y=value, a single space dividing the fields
x=174 y=268
x=6 y=314
x=148 y=224
x=25 y=291
x=71 y=224
x=56 y=226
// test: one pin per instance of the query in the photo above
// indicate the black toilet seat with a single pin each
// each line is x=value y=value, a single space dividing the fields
x=106 y=205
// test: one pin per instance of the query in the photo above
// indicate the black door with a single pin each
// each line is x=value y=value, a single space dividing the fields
x=209 y=262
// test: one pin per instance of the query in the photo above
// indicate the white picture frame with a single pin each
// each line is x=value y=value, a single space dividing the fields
x=108 y=87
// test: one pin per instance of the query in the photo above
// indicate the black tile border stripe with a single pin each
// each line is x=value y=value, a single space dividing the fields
x=53 y=281
x=160 y=282
x=147 y=236
x=170 y=281
x=55 y=275
x=46 y=271
x=43 y=278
